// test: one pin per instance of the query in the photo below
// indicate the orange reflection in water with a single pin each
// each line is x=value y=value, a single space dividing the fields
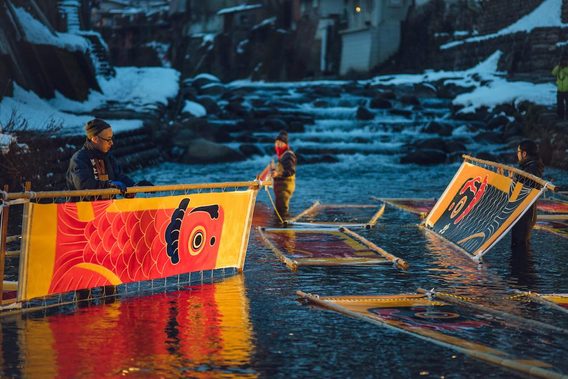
x=204 y=331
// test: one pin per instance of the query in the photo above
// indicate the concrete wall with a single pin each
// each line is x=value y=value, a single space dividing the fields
x=356 y=51
x=381 y=21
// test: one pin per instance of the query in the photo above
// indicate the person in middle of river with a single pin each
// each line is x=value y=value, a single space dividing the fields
x=530 y=162
x=284 y=176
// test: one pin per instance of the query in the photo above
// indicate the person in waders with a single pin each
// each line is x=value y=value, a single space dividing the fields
x=530 y=162
x=284 y=176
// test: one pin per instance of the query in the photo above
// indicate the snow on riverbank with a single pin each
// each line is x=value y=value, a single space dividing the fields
x=134 y=87
x=546 y=14
x=491 y=88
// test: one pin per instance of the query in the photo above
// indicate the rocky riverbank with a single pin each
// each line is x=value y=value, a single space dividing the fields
x=246 y=115
x=219 y=122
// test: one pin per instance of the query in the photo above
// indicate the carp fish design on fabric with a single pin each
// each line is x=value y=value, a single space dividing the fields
x=121 y=247
x=441 y=318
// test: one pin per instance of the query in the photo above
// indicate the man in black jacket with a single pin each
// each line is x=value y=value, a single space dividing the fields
x=530 y=162
x=93 y=167
x=284 y=175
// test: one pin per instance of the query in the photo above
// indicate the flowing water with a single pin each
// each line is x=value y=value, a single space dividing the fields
x=252 y=325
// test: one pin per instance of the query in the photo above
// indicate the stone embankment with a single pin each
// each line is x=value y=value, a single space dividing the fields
x=42 y=159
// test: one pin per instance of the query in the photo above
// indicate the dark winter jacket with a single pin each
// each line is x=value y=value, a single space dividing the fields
x=532 y=165
x=89 y=168
x=286 y=167
x=521 y=231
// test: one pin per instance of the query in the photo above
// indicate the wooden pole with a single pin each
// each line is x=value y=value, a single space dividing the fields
x=112 y=191
x=4 y=213
x=534 y=178
x=287 y=261
x=504 y=315
x=398 y=262
x=555 y=217
x=305 y=212
x=376 y=216
x=541 y=300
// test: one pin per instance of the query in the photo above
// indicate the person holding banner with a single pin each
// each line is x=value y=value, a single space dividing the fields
x=530 y=162
x=284 y=176
x=93 y=167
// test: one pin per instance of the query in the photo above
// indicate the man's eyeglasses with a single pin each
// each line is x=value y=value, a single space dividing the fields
x=109 y=140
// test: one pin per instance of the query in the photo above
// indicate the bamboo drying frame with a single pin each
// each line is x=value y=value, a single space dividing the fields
x=511 y=364
x=448 y=298
x=391 y=201
x=317 y=205
x=398 y=262
x=296 y=263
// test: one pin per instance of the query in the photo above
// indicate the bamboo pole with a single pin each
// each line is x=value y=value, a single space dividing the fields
x=555 y=217
x=534 y=178
x=341 y=261
x=287 y=261
x=12 y=238
x=511 y=364
x=328 y=225
x=387 y=199
x=504 y=315
x=340 y=206
x=398 y=262
x=375 y=217
x=13 y=253
x=541 y=300
x=148 y=189
x=10 y=285
x=305 y=212
x=4 y=217
x=4 y=234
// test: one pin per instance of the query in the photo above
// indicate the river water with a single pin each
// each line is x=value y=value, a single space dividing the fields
x=252 y=325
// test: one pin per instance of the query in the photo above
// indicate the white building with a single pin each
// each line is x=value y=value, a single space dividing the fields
x=373 y=33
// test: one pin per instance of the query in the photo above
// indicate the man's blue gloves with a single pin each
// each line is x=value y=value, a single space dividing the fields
x=117 y=184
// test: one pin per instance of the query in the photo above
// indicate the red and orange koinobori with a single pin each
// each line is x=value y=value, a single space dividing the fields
x=122 y=247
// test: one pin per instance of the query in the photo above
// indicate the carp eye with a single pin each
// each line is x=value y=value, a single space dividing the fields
x=197 y=240
x=458 y=207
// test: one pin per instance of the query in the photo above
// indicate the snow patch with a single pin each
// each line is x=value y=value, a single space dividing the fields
x=547 y=14
x=194 y=109
x=38 y=34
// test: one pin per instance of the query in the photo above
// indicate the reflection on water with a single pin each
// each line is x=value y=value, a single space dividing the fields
x=188 y=332
x=259 y=329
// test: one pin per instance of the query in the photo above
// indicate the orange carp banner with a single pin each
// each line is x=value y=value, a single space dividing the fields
x=479 y=206
x=72 y=246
